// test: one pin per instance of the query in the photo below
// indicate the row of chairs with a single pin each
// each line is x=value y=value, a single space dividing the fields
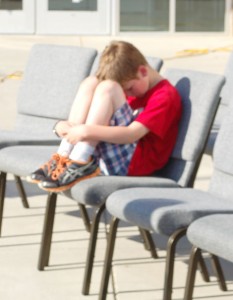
x=166 y=202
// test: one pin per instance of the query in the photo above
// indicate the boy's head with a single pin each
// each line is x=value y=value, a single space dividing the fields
x=120 y=61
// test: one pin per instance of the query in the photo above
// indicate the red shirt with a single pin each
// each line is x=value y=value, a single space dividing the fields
x=161 y=114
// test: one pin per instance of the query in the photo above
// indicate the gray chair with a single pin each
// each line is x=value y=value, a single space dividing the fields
x=50 y=82
x=217 y=240
x=74 y=64
x=198 y=113
x=225 y=98
x=170 y=211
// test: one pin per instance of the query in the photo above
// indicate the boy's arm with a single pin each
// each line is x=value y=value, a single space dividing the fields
x=111 y=134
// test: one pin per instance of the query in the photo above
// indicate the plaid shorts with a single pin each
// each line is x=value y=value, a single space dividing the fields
x=114 y=159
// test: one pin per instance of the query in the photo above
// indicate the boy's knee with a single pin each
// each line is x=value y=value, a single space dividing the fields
x=90 y=81
x=108 y=87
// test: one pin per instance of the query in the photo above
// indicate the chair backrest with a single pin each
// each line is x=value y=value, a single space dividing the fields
x=200 y=98
x=221 y=182
x=155 y=62
x=52 y=76
x=225 y=98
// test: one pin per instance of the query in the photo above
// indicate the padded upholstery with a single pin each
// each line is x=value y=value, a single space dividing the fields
x=23 y=160
x=221 y=182
x=164 y=210
x=51 y=79
x=196 y=121
x=96 y=190
x=218 y=235
x=226 y=96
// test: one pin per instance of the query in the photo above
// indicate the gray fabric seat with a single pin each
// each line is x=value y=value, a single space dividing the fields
x=225 y=98
x=49 y=85
x=218 y=235
x=217 y=240
x=23 y=160
x=170 y=211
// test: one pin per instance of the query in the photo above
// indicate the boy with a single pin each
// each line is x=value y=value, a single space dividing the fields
x=103 y=133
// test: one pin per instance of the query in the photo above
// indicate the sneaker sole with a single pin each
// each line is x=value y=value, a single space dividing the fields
x=66 y=187
x=30 y=180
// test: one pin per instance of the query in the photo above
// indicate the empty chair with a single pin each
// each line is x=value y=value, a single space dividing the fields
x=225 y=98
x=170 y=211
x=217 y=240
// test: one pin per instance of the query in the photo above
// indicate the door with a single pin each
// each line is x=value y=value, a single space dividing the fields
x=73 y=17
x=17 y=16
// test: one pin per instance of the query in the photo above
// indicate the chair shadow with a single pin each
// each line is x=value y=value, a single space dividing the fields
x=30 y=189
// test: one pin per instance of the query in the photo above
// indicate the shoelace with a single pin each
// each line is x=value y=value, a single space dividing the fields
x=61 y=167
x=52 y=163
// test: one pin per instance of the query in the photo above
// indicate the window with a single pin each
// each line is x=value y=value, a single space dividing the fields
x=147 y=15
x=76 y=5
x=200 y=15
x=11 y=5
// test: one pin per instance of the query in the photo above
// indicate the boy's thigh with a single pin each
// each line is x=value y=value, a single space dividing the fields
x=115 y=158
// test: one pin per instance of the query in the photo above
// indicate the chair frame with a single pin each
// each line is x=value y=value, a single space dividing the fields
x=194 y=258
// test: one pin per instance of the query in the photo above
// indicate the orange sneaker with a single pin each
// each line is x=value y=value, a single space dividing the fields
x=68 y=173
x=45 y=171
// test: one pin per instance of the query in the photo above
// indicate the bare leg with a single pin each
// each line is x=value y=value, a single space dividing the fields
x=80 y=106
x=83 y=99
x=108 y=97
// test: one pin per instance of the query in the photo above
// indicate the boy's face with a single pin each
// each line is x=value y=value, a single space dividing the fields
x=139 y=86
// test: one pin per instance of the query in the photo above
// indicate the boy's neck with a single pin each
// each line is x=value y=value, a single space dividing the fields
x=154 y=78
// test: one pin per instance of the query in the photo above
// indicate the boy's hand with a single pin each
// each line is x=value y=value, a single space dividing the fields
x=76 y=134
x=62 y=128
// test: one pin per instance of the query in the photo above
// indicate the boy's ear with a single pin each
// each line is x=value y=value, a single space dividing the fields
x=143 y=70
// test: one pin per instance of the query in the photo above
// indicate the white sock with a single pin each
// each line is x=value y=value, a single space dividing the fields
x=82 y=152
x=65 y=148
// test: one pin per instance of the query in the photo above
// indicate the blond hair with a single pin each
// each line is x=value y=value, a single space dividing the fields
x=120 y=62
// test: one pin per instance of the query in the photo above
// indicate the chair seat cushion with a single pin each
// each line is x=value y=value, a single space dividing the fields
x=13 y=138
x=22 y=160
x=214 y=234
x=95 y=191
x=164 y=210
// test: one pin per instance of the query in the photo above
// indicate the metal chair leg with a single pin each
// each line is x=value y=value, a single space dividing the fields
x=85 y=217
x=219 y=272
x=91 y=250
x=148 y=242
x=170 y=260
x=2 y=196
x=21 y=191
x=47 y=231
x=108 y=259
x=193 y=262
x=203 y=269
